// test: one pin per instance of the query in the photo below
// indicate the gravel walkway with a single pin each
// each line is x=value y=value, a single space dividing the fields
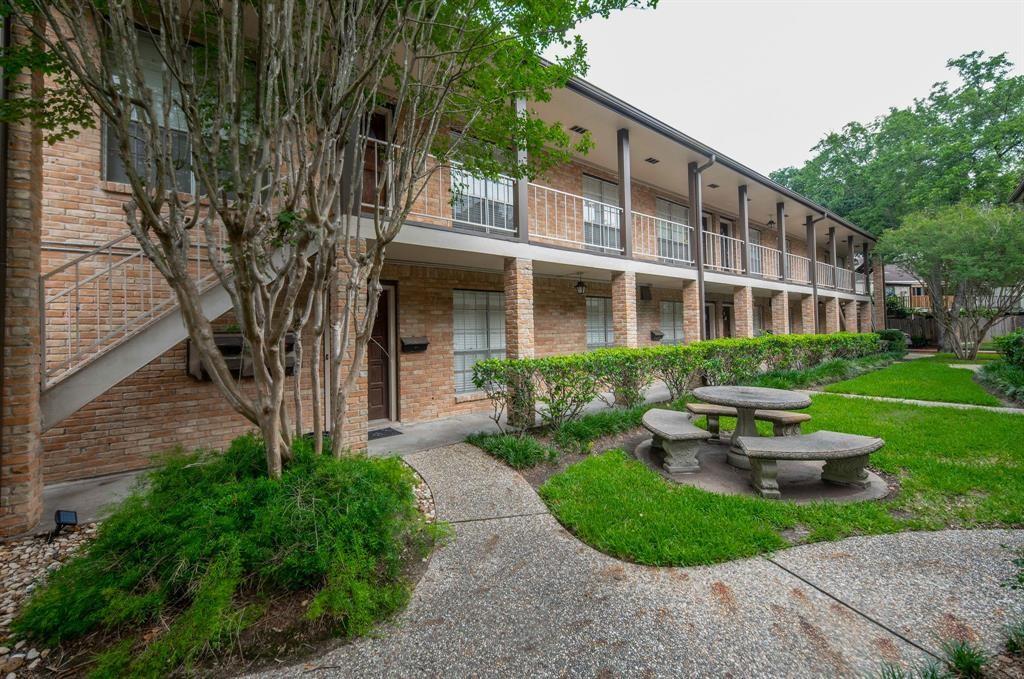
x=514 y=594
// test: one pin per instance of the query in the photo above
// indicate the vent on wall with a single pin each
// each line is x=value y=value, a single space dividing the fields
x=652 y=160
x=579 y=129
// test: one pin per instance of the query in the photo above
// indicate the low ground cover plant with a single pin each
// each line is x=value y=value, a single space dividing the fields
x=210 y=541
x=1005 y=375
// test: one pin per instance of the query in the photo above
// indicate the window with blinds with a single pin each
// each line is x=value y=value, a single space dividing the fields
x=478 y=332
x=601 y=212
x=673 y=238
x=600 y=332
x=175 y=127
x=672 y=322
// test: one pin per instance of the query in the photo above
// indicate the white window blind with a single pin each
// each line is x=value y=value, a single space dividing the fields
x=672 y=322
x=479 y=332
x=600 y=332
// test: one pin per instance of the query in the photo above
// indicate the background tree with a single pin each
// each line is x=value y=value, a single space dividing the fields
x=276 y=100
x=961 y=143
x=970 y=259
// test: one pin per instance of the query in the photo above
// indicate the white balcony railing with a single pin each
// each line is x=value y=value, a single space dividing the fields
x=723 y=253
x=450 y=196
x=765 y=261
x=826 y=277
x=798 y=268
x=565 y=218
x=844 y=279
x=662 y=239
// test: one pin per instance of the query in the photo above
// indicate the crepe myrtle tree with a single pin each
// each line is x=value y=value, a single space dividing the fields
x=275 y=100
x=971 y=261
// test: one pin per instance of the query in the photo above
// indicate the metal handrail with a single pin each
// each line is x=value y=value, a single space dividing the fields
x=113 y=293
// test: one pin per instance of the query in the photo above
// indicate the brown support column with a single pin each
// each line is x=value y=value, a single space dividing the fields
x=21 y=475
x=812 y=254
x=850 y=263
x=850 y=315
x=625 y=194
x=878 y=295
x=833 y=255
x=518 y=284
x=780 y=312
x=691 y=312
x=744 y=213
x=808 y=314
x=780 y=220
x=831 y=314
x=696 y=213
x=521 y=192
x=624 y=308
x=743 y=311
x=864 y=249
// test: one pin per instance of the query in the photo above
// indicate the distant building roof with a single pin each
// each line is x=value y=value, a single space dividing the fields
x=1018 y=195
x=897 y=275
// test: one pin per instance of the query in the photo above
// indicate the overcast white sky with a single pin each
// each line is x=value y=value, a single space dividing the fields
x=763 y=81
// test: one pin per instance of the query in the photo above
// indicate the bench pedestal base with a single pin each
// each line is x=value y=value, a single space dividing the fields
x=764 y=477
x=680 y=456
x=847 y=472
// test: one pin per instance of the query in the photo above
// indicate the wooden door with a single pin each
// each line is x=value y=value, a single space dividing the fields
x=379 y=362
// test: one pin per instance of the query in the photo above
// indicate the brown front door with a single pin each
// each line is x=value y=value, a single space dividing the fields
x=726 y=321
x=379 y=362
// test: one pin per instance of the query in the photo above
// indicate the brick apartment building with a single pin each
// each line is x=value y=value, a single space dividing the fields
x=651 y=238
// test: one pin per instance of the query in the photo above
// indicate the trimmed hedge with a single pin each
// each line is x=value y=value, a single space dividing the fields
x=559 y=387
x=1011 y=346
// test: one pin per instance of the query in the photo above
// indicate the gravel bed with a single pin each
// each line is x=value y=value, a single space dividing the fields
x=24 y=564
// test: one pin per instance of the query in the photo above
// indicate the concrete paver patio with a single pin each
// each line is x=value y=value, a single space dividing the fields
x=514 y=594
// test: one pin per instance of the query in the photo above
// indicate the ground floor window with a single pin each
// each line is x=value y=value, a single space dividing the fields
x=600 y=331
x=672 y=322
x=479 y=332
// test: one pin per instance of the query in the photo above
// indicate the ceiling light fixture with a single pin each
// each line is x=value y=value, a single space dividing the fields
x=579 y=129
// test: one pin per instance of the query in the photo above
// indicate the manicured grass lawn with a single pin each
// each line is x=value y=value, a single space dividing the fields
x=927 y=379
x=956 y=468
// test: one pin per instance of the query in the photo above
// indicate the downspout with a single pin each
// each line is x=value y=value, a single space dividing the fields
x=697 y=204
x=4 y=94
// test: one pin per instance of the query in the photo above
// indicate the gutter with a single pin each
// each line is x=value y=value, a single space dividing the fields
x=595 y=93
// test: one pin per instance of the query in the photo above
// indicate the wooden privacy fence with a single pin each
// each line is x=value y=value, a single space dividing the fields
x=922 y=326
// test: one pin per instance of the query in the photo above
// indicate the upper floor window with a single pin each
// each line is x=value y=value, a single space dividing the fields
x=481 y=202
x=601 y=213
x=478 y=327
x=600 y=331
x=672 y=322
x=673 y=236
x=174 y=127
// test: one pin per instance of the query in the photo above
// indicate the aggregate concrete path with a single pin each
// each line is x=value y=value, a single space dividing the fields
x=514 y=594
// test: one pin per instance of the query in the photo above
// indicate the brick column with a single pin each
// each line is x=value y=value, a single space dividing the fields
x=624 y=308
x=21 y=476
x=743 y=311
x=354 y=428
x=780 y=312
x=831 y=314
x=850 y=315
x=518 y=307
x=863 y=316
x=807 y=315
x=878 y=296
x=691 y=312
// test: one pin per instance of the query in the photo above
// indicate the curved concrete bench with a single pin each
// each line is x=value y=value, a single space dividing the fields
x=845 y=457
x=676 y=436
x=785 y=422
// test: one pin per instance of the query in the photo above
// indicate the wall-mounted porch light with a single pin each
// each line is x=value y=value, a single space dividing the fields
x=771 y=223
x=581 y=287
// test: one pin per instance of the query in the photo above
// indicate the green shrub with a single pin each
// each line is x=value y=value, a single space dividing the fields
x=577 y=436
x=563 y=385
x=964 y=659
x=1015 y=638
x=895 y=339
x=210 y=530
x=1011 y=346
x=518 y=452
x=1004 y=378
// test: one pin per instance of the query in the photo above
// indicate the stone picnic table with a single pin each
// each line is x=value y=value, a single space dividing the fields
x=746 y=401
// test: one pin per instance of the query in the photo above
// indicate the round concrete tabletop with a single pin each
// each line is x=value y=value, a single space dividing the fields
x=753 y=397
